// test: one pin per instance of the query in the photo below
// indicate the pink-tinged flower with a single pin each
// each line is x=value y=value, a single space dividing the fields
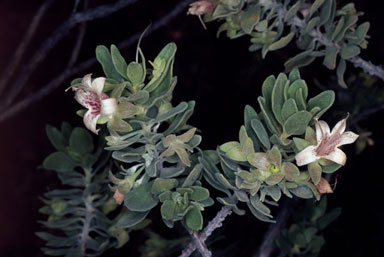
x=327 y=144
x=200 y=7
x=90 y=95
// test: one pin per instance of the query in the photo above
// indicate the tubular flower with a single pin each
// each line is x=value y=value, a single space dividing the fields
x=90 y=95
x=200 y=7
x=327 y=144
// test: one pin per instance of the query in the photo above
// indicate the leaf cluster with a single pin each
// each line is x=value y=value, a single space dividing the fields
x=320 y=29
x=304 y=237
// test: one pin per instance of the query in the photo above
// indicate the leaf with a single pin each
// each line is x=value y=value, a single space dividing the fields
x=199 y=193
x=130 y=219
x=104 y=58
x=193 y=176
x=161 y=185
x=297 y=123
x=326 y=11
x=349 y=52
x=292 y=11
x=237 y=154
x=58 y=161
x=81 y=141
x=259 y=215
x=282 y=42
x=229 y=145
x=290 y=171
x=294 y=75
x=261 y=133
x=300 y=60
x=173 y=112
x=194 y=219
x=315 y=6
x=249 y=115
x=278 y=96
x=258 y=205
x=289 y=108
x=338 y=28
x=135 y=73
x=324 y=100
x=324 y=221
x=141 y=199
x=249 y=18
x=340 y=73
x=223 y=181
x=311 y=24
x=57 y=139
x=300 y=143
x=118 y=61
x=330 y=57
x=315 y=171
x=245 y=142
x=302 y=192
x=168 y=209
x=360 y=33
x=295 y=86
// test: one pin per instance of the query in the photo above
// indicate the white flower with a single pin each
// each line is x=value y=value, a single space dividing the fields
x=90 y=95
x=327 y=144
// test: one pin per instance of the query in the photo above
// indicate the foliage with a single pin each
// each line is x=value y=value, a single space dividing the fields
x=304 y=237
x=157 y=162
x=321 y=30
x=77 y=213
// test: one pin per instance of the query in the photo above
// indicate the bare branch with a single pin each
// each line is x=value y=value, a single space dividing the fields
x=72 y=71
x=365 y=114
x=267 y=246
x=201 y=237
x=368 y=67
x=58 y=35
x=80 y=37
x=15 y=60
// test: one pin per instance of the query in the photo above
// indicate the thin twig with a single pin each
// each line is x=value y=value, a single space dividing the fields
x=267 y=246
x=79 y=40
x=365 y=114
x=202 y=237
x=58 y=35
x=19 y=53
x=71 y=72
x=368 y=67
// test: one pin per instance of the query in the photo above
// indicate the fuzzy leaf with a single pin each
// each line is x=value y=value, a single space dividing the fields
x=194 y=219
x=297 y=123
x=261 y=133
x=81 y=141
x=323 y=100
x=118 y=61
x=141 y=199
x=130 y=219
x=58 y=161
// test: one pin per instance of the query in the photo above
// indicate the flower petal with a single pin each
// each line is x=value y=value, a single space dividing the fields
x=339 y=128
x=90 y=120
x=98 y=85
x=108 y=106
x=322 y=130
x=258 y=160
x=348 y=138
x=306 y=156
x=86 y=81
x=337 y=156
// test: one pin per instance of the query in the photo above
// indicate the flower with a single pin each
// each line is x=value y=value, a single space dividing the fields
x=200 y=7
x=177 y=144
x=271 y=168
x=327 y=144
x=90 y=95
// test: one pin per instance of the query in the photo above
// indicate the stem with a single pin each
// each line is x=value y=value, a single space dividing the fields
x=89 y=209
x=199 y=238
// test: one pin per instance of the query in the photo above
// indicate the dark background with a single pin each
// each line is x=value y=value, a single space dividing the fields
x=219 y=74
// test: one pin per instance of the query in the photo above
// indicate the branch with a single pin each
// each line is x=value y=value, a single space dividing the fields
x=368 y=67
x=71 y=71
x=357 y=61
x=15 y=60
x=199 y=239
x=267 y=246
x=364 y=114
x=58 y=35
